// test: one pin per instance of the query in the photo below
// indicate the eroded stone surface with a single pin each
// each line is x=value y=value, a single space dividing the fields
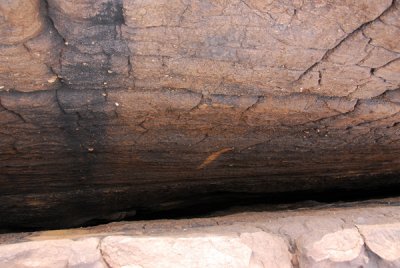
x=182 y=252
x=267 y=250
x=113 y=141
x=20 y=20
x=52 y=253
x=174 y=101
x=257 y=249
x=30 y=47
x=341 y=248
x=234 y=47
x=345 y=236
x=384 y=241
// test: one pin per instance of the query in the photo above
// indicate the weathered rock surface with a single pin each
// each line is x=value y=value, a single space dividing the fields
x=52 y=253
x=341 y=248
x=361 y=236
x=111 y=107
x=120 y=251
x=384 y=241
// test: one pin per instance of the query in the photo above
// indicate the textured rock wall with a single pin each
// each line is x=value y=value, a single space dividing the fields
x=111 y=106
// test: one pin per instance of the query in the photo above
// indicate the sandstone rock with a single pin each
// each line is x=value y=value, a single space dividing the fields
x=267 y=250
x=19 y=20
x=30 y=46
x=207 y=251
x=52 y=254
x=315 y=235
x=344 y=248
x=136 y=95
x=177 y=45
x=258 y=249
x=384 y=241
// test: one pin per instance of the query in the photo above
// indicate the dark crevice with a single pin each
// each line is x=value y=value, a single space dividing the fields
x=12 y=112
x=223 y=203
x=64 y=42
x=57 y=98
x=366 y=192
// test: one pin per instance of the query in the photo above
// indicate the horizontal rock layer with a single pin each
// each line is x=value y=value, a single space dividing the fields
x=109 y=107
x=361 y=236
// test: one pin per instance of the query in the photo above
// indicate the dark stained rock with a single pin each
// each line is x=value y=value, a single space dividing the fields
x=109 y=107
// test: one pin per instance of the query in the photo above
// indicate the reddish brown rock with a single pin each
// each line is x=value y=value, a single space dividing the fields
x=21 y=20
x=112 y=108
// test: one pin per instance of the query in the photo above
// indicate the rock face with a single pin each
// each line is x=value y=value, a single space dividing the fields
x=108 y=107
x=343 y=248
x=53 y=253
x=383 y=240
x=257 y=249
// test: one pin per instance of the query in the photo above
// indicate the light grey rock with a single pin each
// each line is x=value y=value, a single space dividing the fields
x=52 y=254
x=384 y=241
x=343 y=248
x=258 y=249
x=268 y=250
x=201 y=251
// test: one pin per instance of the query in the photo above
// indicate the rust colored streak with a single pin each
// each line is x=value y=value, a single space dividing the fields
x=212 y=157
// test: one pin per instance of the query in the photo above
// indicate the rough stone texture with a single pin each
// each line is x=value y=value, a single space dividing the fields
x=120 y=251
x=341 y=248
x=29 y=47
x=257 y=249
x=383 y=240
x=20 y=21
x=52 y=253
x=267 y=250
x=362 y=235
x=109 y=108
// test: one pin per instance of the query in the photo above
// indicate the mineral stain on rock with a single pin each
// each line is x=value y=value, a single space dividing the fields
x=212 y=157
x=110 y=105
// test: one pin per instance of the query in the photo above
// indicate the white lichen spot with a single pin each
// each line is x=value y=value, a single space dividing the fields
x=109 y=71
x=52 y=79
